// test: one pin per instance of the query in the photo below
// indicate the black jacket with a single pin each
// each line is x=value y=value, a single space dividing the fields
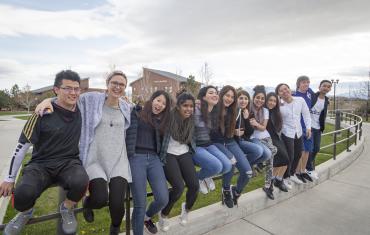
x=323 y=112
x=243 y=123
x=131 y=135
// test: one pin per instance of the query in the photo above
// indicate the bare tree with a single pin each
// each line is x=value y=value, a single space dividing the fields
x=26 y=97
x=145 y=86
x=206 y=74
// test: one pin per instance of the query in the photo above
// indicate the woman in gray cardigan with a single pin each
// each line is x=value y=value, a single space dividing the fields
x=105 y=119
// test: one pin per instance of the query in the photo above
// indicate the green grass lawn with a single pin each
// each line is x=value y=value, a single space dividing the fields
x=3 y=113
x=47 y=203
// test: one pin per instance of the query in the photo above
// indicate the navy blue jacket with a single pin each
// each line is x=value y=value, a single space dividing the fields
x=131 y=135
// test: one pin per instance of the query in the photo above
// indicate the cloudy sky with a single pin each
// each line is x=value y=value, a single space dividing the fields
x=244 y=42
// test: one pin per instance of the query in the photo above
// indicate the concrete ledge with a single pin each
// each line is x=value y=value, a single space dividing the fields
x=211 y=217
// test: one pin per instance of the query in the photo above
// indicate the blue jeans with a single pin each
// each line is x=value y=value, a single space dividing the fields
x=254 y=151
x=147 y=167
x=242 y=163
x=266 y=155
x=211 y=160
x=316 y=137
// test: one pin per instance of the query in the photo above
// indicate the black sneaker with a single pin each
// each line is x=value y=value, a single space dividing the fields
x=299 y=176
x=114 y=230
x=88 y=213
x=280 y=184
x=227 y=198
x=150 y=226
x=236 y=195
x=269 y=192
x=306 y=176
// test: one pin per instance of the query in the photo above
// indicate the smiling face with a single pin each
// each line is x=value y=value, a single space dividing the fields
x=158 y=104
x=284 y=92
x=68 y=93
x=116 y=86
x=259 y=100
x=325 y=88
x=186 y=109
x=243 y=101
x=304 y=85
x=271 y=102
x=211 y=97
x=228 y=98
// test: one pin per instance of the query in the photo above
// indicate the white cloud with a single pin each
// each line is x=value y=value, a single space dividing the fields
x=245 y=41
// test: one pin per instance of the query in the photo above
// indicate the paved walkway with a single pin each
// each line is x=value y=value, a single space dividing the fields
x=10 y=129
x=340 y=205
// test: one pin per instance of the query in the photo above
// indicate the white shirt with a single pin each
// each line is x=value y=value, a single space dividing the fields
x=257 y=134
x=315 y=113
x=291 y=114
x=176 y=148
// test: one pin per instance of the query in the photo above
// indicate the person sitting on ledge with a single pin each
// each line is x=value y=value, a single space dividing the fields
x=55 y=157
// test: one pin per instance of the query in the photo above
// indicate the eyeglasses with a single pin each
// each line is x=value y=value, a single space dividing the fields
x=118 y=84
x=69 y=90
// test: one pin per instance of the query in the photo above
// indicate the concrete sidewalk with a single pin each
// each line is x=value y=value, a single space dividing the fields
x=340 y=205
x=10 y=129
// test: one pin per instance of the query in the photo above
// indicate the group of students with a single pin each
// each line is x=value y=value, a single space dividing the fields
x=101 y=143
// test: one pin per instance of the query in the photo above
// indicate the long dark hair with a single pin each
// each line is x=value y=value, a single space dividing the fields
x=258 y=114
x=275 y=115
x=227 y=115
x=180 y=129
x=244 y=92
x=147 y=114
x=203 y=104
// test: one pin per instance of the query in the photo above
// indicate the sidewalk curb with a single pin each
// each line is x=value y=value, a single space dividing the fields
x=214 y=216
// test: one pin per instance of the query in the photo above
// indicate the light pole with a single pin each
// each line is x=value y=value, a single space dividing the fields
x=336 y=111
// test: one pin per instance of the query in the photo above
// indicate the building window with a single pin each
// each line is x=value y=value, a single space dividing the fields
x=155 y=88
x=170 y=89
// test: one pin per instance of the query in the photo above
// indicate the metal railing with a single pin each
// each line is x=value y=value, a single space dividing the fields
x=353 y=130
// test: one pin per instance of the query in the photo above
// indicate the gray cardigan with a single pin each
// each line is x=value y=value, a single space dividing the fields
x=91 y=107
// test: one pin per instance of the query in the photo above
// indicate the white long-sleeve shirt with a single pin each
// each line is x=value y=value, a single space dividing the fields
x=291 y=114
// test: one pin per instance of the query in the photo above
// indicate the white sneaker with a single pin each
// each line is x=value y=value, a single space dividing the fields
x=203 y=187
x=163 y=222
x=313 y=175
x=183 y=215
x=288 y=183
x=210 y=184
x=295 y=179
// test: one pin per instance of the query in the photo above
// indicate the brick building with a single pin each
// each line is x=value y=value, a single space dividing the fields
x=154 y=80
x=48 y=90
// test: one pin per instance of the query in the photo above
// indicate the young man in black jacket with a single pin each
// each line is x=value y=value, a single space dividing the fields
x=55 y=157
x=318 y=111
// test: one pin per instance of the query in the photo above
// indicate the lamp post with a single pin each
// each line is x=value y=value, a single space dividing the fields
x=336 y=111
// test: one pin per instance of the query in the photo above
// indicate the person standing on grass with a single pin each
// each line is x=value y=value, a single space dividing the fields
x=222 y=136
x=303 y=90
x=244 y=130
x=105 y=119
x=292 y=108
x=319 y=109
x=178 y=147
x=144 y=141
x=210 y=159
x=262 y=137
x=274 y=125
x=55 y=157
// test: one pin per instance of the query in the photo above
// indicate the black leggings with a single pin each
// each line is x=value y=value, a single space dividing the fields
x=294 y=149
x=99 y=197
x=180 y=169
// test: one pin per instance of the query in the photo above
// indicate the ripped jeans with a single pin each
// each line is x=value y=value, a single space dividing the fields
x=245 y=171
